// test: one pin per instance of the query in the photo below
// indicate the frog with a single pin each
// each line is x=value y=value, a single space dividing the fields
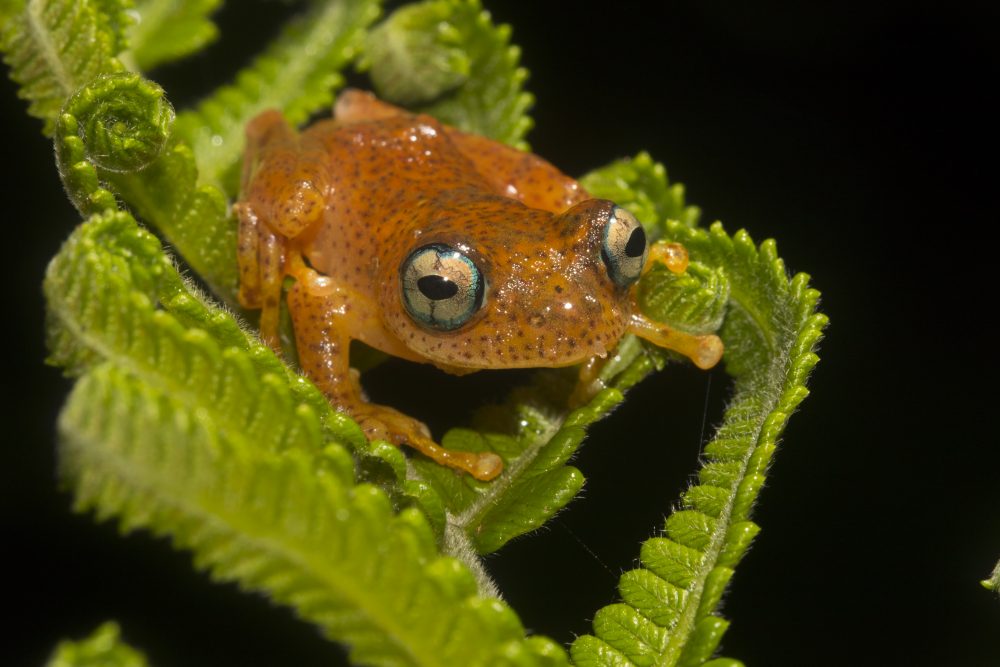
x=439 y=246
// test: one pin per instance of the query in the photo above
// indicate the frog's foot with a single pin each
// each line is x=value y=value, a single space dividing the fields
x=589 y=382
x=672 y=255
x=383 y=423
x=705 y=350
x=358 y=106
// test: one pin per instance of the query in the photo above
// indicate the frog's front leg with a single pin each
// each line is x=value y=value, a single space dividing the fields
x=704 y=350
x=282 y=196
x=324 y=315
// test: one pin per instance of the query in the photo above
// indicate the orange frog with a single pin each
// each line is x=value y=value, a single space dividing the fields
x=436 y=246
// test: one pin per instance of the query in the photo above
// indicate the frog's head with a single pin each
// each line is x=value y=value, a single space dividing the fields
x=495 y=284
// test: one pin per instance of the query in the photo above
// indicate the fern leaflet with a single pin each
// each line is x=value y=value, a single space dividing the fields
x=449 y=53
x=201 y=433
x=103 y=648
x=168 y=30
x=668 y=614
x=993 y=583
x=297 y=74
x=54 y=47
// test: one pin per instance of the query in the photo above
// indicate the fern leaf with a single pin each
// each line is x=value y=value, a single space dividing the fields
x=534 y=432
x=168 y=30
x=114 y=297
x=114 y=124
x=297 y=74
x=416 y=54
x=114 y=134
x=103 y=648
x=194 y=217
x=277 y=524
x=640 y=185
x=449 y=51
x=116 y=17
x=183 y=424
x=54 y=47
x=668 y=615
x=993 y=583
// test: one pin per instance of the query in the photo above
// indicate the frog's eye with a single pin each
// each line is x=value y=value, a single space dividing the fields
x=624 y=247
x=442 y=288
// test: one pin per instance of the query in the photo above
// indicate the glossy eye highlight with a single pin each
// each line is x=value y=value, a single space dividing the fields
x=624 y=247
x=441 y=287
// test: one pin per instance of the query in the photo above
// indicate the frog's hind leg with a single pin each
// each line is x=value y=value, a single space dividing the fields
x=519 y=175
x=322 y=315
x=282 y=193
x=260 y=257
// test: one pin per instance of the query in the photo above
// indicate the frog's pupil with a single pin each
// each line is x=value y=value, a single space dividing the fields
x=636 y=243
x=436 y=287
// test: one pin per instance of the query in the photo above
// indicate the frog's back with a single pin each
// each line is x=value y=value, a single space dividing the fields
x=382 y=179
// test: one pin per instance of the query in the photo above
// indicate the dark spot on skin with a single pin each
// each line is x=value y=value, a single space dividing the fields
x=559 y=289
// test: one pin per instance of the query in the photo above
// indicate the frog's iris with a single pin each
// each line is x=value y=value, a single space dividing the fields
x=441 y=287
x=624 y=247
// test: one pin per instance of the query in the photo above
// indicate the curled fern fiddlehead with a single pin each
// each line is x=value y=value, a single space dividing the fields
x=123 y=120
x=117 y=123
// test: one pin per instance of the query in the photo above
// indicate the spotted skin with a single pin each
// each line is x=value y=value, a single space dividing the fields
x=340 y=207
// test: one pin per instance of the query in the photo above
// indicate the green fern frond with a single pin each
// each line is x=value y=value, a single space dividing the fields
x=450 y=50
x=282 y=525
x=416 y=54
x=183 y=424
x=168 y=30
x=668 y=615
x=534 y=432
x=104 y=648
x=640 y=185
x=116 y=17
x=993 y=583
x=54 y=47
x=115 y=298
x=113 y=137
x=297 y=74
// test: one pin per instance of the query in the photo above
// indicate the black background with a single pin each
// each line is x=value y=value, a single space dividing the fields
x=862 y=139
